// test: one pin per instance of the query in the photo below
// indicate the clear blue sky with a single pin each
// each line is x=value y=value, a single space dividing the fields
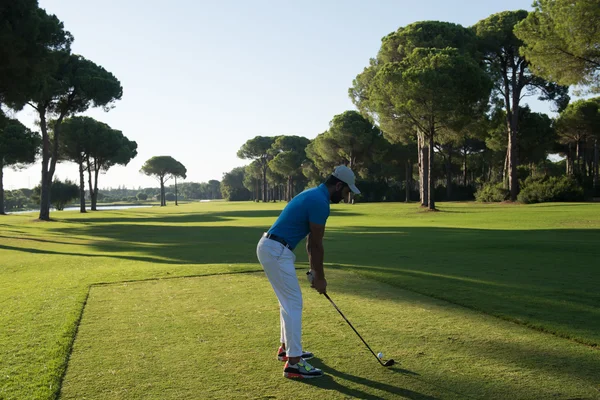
x=202 y=77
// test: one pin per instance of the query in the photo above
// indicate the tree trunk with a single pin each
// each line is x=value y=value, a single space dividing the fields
x=465 y=169
x=1 y=188
x=513 y=178
x=431 y=183
x=596 y=156
x=265 y=194
x=578 y=157
x=407 y=180
x=90 y=186
x=449 y=174
x=176 y=191
x=351 y=194
x=569 y=170
x=45 y=184
x=162 y=192
x=420 y=167
x=48 y=171
x=81 y=188
x=95 y=194
x=424 y=171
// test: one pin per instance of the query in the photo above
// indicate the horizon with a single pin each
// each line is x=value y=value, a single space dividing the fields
x=198 y=84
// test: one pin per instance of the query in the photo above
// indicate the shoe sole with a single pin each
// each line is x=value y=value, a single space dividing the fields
x=291 y=375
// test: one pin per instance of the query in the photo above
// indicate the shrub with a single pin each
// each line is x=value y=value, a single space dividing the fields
x=142 y=196
x=492 y=192
x=563 y=188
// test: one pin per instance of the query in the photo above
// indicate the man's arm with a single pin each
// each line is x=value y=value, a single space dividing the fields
x=316 y=252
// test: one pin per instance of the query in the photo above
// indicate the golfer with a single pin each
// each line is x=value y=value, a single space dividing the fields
x=305 y=215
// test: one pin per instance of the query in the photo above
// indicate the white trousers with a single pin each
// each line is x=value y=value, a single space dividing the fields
x=278 y=264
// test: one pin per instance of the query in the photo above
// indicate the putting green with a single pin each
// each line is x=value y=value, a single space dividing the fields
x=216 y=337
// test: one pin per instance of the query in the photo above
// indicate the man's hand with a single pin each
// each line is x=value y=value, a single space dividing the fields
x=320 y=285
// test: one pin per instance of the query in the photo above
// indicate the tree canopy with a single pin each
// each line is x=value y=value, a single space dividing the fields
x=163 y=168
x=28 y=35
x=513 y=80
x=561 y=40
x=18 y=145
x=259 y=148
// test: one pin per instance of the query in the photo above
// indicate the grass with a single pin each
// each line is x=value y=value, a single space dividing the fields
x=200 y=335
x=534 y=265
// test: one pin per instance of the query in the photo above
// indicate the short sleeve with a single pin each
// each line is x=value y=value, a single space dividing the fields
x=318 y=212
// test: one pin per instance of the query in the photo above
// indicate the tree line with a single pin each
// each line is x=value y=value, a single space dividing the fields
x=39 y=70
x=440 y=116
x=65 y=192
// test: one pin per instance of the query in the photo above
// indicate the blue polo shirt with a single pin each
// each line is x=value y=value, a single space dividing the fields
x=293 y=223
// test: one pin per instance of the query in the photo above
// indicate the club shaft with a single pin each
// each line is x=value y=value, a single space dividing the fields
x=355 y=331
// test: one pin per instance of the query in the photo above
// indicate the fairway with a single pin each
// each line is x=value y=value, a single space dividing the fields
x=216 y=336
x=473 y=301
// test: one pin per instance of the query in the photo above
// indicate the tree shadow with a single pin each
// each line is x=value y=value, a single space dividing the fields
x=33 y=239
x=545 y=279
x=327 y=382
x=530 y=277
x=187 y=217
x=60 y=253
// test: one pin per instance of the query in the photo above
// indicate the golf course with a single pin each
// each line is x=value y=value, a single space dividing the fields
x=475 y=301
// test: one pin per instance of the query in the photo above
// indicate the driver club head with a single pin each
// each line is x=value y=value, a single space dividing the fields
x=389 y=363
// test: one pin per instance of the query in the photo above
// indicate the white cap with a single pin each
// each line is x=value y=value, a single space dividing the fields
x=346 y=175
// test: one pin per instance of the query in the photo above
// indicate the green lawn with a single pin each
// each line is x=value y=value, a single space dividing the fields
x=535 y=265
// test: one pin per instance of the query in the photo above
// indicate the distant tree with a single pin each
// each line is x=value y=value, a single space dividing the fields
x=192 y=190
x=15 y=200
x=170 y=196
x=537 y=136
x=323 y=155
x=18 y=145
x=214 y=189
x=513 y=79
x=107 y=147
x=471 y=140
x=62 y=193
x=232 y=185
x=561 y=40
x=351 y=138
x=142 y=196
x=77 y=133
x=578 y=127
x=163 y=168
x=253 y=178
x=289 y=153
x=259 y=149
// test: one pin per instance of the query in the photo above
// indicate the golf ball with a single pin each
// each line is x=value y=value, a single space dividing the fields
x=380 y=355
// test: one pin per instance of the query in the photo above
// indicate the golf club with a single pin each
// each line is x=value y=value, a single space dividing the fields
x=389 y=362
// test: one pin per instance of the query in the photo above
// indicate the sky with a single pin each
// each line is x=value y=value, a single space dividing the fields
x=202 y=77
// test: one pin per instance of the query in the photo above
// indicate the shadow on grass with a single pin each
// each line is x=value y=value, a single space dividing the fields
x=546 y=279
x=329 y=383
x=187 y=217
x=33 y=239
x=58 y=253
